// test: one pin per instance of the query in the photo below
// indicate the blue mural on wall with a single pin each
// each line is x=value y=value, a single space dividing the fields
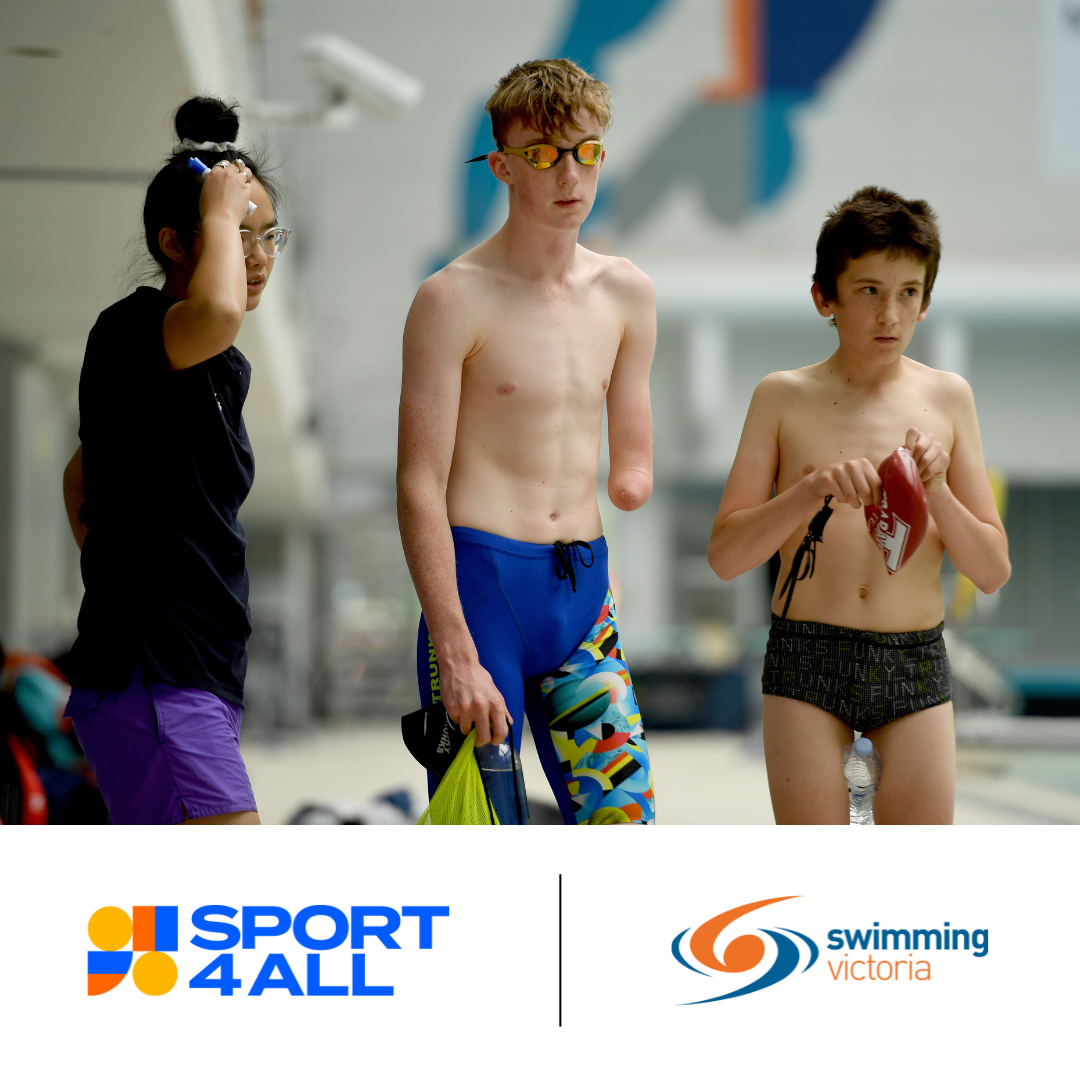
x=592 y=26
x=733 y=142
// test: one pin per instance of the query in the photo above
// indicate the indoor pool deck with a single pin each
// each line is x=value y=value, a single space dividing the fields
x=701 y=777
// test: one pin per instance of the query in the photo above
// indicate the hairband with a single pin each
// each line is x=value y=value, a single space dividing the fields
x=217 y=147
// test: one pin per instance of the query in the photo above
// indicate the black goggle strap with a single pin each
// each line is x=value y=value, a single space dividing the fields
x=569 y=150
x=808 y=547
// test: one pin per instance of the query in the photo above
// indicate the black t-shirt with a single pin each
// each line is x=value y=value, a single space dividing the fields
x=166 y=467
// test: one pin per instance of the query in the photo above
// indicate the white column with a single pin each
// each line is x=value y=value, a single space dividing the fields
x=8 y=363
x=950 y=347
x=646 y=569
x=708 y=385
x=41 y=614
x=298 y=595
x=1059 y=115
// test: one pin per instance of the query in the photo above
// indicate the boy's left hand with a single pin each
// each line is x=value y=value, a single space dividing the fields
x=930 y=459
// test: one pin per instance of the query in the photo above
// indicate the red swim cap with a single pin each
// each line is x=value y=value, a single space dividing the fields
x=898 y=525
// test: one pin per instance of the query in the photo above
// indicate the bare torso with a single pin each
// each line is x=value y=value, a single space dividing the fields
x=821 y=420
x=527 y=445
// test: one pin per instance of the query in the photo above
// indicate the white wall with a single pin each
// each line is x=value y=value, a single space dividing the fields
x=942 y=101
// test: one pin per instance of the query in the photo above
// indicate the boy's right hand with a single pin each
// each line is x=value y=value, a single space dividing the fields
x=473 y=700
x=854 y=482
x=226 y=191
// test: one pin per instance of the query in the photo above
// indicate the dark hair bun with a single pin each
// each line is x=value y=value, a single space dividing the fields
x=205 y=119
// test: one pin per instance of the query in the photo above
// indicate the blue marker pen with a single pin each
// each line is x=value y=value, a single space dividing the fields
x=196 y=166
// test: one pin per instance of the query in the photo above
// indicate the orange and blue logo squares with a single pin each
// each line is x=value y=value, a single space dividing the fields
x=106 y=970
x=155 y=929
x=152 y=931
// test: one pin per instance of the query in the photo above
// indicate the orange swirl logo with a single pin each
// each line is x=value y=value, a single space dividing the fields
x=745 y=952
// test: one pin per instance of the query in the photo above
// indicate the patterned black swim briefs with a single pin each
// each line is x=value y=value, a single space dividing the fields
x=861 y=677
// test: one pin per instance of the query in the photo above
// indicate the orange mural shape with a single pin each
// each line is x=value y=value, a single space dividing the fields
x=744 y=30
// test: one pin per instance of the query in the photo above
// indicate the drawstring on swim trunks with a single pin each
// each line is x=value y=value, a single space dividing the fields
x=564 y=557
x=812 y=538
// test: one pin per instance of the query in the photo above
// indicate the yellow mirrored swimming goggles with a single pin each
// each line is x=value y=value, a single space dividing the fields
x=544 y=155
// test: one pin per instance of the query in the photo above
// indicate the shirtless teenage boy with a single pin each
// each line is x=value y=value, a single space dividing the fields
x=510 y=354
x=823 y=430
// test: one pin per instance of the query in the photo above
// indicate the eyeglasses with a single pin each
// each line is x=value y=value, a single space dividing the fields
x=273 y=241
x=544 y=155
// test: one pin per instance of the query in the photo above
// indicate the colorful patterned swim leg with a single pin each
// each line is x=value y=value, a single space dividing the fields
x=589 y=708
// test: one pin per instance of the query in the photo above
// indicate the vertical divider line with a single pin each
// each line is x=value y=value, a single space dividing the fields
x=560 y=950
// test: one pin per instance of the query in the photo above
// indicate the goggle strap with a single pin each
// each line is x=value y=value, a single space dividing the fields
x=484 y=157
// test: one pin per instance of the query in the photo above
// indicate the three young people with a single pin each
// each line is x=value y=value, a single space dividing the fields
x=511 y=354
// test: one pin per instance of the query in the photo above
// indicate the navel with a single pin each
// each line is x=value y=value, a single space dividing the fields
x=863 y=592
x=505 y=388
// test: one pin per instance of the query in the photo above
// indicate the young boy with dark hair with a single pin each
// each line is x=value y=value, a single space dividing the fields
x=511 y=354
x=862 y=648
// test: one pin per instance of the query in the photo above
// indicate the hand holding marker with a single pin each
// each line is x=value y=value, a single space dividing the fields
x=196 y=166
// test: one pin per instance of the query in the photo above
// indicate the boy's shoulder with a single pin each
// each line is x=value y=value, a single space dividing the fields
x=938 y=382
x=451 y=295
x=621 y=277
x=465 y=281
x=466 y=271
x=612 y=267
x=944 y=389
x=480 y=269
x=794 y=382
x=942 y=386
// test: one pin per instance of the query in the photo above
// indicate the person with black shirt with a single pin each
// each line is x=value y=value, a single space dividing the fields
x=154 y=490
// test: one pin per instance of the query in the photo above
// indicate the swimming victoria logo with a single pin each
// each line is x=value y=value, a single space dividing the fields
x=227 y=945
x=744 y=953
x=751 y=962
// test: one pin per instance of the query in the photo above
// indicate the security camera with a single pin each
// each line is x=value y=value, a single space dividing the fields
x=349 y=77
x=356 y=74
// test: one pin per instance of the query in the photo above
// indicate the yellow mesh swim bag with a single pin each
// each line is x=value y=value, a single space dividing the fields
x=460 y=798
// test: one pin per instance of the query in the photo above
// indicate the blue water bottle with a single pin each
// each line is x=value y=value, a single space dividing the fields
x=500 y=767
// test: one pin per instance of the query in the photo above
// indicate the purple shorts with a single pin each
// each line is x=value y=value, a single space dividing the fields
x=162 y=753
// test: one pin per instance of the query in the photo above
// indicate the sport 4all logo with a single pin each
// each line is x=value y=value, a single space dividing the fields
x=743 y=954
x=152 y=931
x=343 y=937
